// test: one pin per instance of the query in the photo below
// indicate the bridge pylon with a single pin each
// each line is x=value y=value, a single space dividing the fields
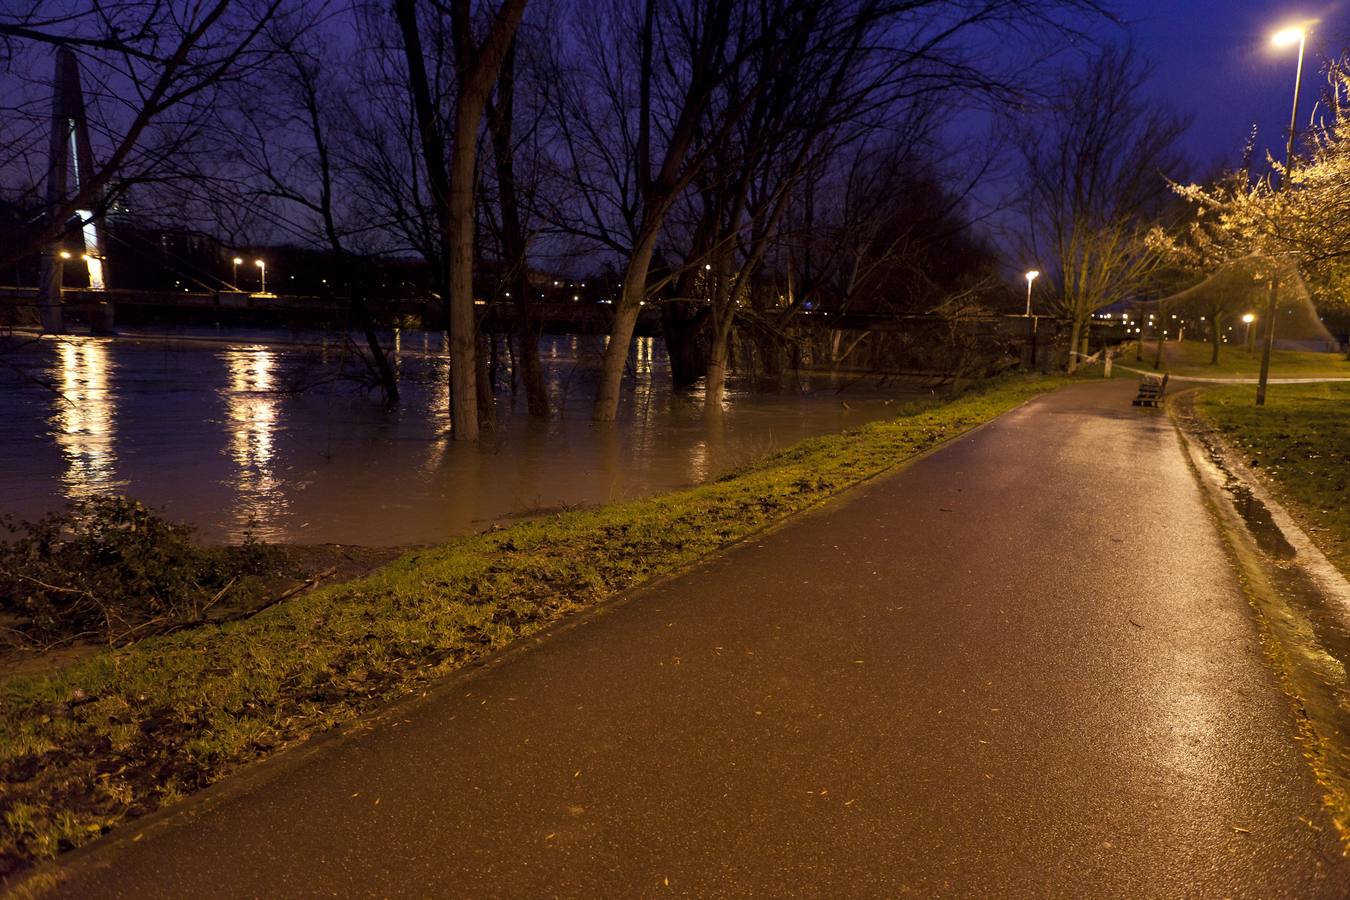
x=70 y=163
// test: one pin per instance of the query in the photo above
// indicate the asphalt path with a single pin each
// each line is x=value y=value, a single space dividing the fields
x=1020 y=667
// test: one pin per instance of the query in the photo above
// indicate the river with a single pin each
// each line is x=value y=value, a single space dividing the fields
x=272 y=433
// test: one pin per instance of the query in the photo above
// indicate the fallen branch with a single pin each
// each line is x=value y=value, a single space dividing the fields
x=284 y=595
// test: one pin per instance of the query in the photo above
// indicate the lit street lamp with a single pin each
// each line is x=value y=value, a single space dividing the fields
x=1248 y=319
x=262 y=274
x=1287 y=37
x=234 y=278
x=1031 y=276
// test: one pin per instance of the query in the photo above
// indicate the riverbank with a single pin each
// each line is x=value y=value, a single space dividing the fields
x=118 y=735
x=1300 y=443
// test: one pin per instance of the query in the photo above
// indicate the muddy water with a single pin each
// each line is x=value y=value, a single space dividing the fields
x=277 y=433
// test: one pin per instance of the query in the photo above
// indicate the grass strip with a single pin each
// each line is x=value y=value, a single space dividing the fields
x=1192 y=358
x=1301 y=441
x=120 y=734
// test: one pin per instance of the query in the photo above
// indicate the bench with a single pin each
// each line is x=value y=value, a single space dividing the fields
x=1151 y=389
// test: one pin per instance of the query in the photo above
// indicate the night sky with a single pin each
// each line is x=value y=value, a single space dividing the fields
x=1213 y=59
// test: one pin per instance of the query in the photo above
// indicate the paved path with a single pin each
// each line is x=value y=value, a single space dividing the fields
x=1020 y=668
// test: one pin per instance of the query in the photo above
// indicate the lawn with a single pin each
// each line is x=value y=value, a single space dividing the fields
x=1192 y=358
x=1301 y=441
x=117 y=735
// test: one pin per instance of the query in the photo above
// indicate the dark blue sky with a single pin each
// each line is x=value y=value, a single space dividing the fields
x=1214 y=61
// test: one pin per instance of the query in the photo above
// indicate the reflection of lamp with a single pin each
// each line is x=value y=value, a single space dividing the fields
x=84 y=419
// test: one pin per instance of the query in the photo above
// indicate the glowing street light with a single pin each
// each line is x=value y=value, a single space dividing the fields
x=1031 y=276
x=262 y=273
x=1247 y=320
x=234 y=278
x=65 y=254
x=1286 y=37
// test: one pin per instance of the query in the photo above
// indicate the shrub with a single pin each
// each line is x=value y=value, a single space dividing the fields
x=110 y=568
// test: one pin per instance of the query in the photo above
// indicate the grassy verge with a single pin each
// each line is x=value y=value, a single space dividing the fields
x=1301 y=441
x=127 y=731
x=1192 y=358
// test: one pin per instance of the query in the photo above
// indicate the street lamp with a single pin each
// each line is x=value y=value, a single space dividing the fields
x=234 y=278
x=1248 y=319
x=1031 y=276
x=262 y=273
x=1287 y=37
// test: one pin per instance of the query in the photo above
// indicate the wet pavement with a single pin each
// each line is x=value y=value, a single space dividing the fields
x=1021 y=667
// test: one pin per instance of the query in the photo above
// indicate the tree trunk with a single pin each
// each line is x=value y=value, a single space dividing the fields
x=1074 y=333
x=464 y=401
x=621 y=332
x=453 y=192
x=681 y=324
x=1157 y=354
x=485 y=383
x=531 y=372
x=718 y=356
x=513 y=241
x=770 y=354
x=1216 y=328
x=388 y=380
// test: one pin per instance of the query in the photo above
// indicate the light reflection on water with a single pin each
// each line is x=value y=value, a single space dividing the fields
x=252 y=408
x=218 y=433
x=82 y=421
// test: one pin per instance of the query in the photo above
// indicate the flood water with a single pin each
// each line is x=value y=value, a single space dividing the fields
x=274 y=433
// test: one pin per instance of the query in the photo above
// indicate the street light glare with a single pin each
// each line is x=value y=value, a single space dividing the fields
x=238 y=260
x=1288 y=37
x=1033 y=275
x=259 y=263
x=1249 y=318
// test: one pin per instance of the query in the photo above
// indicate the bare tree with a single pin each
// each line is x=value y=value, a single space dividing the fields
x=650 y=110
x=1096 y=170
x=632 y=128
x=515 y=202
x=453 y=189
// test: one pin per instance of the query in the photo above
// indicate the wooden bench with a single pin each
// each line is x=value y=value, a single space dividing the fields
x=1151 y=388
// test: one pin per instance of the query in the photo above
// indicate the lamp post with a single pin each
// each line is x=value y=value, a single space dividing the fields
x=1031 y=276
x=262 y=274
x=1285 y=38
x=1248 y=319
x=234 y=277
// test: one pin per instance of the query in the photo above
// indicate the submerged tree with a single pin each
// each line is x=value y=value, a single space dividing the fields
x=450 y=152
x=297 y=152
x=665 y=85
